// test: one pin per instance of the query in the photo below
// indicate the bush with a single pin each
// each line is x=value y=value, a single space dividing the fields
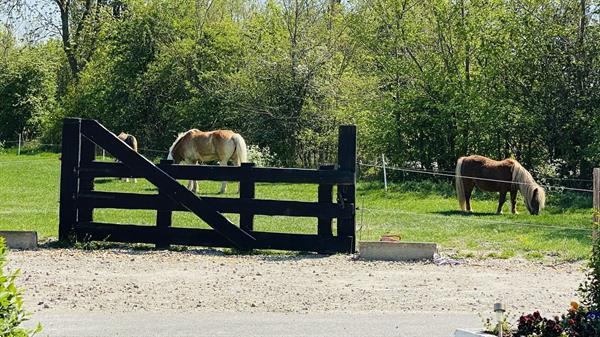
x=11 y=302
x=578 y=322
x=262 y=157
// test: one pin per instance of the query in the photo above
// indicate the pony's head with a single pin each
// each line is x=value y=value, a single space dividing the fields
x=534 y=194
x=537 y=202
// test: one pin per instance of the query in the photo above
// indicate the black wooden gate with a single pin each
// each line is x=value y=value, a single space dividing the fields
x=78 y=198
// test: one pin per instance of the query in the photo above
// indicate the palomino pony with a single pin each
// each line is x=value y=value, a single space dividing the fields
x=196 y=146
x=497 y=176
x=132 y=142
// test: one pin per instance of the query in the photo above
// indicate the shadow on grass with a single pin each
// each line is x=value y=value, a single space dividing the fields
x=463 y=213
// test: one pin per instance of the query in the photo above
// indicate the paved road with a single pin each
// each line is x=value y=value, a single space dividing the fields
x=76 y=324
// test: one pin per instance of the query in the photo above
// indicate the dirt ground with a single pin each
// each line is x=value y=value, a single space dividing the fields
x=118 y=280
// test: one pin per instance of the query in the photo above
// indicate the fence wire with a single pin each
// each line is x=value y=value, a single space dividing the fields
x=434 y=173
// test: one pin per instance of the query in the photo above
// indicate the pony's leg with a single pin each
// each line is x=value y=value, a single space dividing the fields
x=501 y=202
x=224 y=183
x=469 y=186
x=513 y=202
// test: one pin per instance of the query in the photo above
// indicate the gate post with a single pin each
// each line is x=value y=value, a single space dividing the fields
x=346 y=227
x=69 y=175
x=325 y=197
x=86 y=182
x=247 y=192
x=164 y=214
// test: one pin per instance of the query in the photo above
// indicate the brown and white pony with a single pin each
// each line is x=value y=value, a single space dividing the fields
x=132 y=142
x=195 y=146
x=497 y=176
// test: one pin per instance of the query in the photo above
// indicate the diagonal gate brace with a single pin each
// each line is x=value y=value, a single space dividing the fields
x=97 y=133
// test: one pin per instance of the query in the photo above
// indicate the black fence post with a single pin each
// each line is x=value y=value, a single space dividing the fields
x=164 y=214
x=86 y=182
x=69 y=167
x=346 y=227
x=325 y=195
x=247 y=192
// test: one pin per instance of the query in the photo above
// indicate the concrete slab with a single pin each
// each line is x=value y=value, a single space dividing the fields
x=396 y=250
x=20 y=239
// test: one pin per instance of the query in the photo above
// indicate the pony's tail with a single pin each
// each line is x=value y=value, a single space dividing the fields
x=460 y=187
x=134 y=143
x=240 y=148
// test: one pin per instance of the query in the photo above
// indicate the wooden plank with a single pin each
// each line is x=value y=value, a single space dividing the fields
x=164 y=214
x=347 y=193
x=210 y=238
x=325 y=195
x=247 y=193
x=118 y=200
x=137 y=163
x=230 y=173
x=71 y=148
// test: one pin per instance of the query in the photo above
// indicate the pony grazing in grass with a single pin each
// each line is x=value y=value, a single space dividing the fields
x=497 y=176
x=195 y=146
x=131 y=141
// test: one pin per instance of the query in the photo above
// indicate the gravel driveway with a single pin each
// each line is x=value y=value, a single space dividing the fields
x=122 y=281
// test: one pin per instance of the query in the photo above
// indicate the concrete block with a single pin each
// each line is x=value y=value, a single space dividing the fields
x=471 y=333
x=20 y=239
x=396 y=250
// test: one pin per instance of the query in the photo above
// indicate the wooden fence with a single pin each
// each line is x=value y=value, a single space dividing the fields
x=78 y=199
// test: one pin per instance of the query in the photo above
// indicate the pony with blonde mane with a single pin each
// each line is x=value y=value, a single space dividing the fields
x=497 y=176
x=195 y=146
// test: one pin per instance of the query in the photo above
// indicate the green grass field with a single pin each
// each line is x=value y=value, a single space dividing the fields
x=424 y=211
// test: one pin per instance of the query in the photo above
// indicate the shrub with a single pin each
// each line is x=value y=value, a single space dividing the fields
x=12 y=313
x=577 y=322
x=590 y=288
x=262 y=157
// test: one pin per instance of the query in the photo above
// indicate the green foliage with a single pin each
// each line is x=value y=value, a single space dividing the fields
x=28 y=90
x=590 y=288
x=424 y=81
x=12 y=313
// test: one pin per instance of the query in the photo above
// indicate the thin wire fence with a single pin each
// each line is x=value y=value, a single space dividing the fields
x=437 y=173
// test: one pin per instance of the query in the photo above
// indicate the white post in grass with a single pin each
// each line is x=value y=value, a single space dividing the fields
x=596 y=203
x=103 y=154
x=19 y=146
x=384 y=172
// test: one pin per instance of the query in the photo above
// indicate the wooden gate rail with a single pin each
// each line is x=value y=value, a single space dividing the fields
x=78 y=198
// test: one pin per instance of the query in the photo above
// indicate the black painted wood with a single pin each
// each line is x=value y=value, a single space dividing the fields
x=119 y=200
x=167 y=185
x=71 y=150
x=247 y=193
x=230 y=173
x=86 y=183
x=325 y=195
x=164 y=214
x=207 y=237
x=347 y=193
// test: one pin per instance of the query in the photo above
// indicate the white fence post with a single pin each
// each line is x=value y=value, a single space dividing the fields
x=19 y=146
x=384 y=172
x=103 y=154
x=596 y=203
